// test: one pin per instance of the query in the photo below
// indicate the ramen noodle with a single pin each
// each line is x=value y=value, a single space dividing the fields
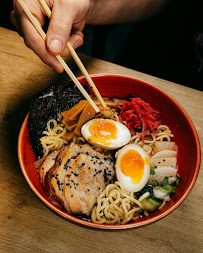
x=52 y=137
x=115 y=205
x=163 y=134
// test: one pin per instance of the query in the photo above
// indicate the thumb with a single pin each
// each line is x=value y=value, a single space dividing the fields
x=60 y=26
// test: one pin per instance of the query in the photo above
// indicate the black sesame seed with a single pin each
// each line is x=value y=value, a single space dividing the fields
x=66 y=164
x=105 y=176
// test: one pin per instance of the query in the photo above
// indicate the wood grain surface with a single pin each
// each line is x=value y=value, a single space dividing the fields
x=26 y=223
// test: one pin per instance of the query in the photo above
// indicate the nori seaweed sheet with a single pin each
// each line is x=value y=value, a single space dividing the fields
x=47 y=104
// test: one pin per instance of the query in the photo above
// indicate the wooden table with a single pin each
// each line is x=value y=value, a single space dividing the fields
x=26 y=223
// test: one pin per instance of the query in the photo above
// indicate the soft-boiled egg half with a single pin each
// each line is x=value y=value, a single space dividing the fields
x=106 y=133
x=132 y=167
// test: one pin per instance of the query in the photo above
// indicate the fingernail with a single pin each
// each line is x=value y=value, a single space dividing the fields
x=56 y=45
x=78 y=43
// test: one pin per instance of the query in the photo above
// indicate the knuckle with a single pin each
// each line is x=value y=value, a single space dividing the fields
x=31 y=42
x=63 y=3
x=59 y=26
x=48 y=61
x=27 y=43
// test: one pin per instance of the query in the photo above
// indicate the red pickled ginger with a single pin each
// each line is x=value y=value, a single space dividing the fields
x=139 y=116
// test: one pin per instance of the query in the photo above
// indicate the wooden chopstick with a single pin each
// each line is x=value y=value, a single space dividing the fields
x=76 y=58
x=60 y=59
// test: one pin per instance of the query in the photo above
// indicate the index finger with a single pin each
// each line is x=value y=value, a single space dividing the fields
x=34 y=41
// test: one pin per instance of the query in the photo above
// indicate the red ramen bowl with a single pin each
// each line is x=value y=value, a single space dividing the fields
x=172 y=114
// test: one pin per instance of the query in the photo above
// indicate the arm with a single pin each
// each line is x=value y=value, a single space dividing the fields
x=69 y=18
x=122 y=11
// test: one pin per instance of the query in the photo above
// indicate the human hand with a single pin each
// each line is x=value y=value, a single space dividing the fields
x=66 y=24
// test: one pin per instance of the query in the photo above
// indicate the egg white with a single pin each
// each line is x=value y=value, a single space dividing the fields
x=126 y=180
x=122 y=137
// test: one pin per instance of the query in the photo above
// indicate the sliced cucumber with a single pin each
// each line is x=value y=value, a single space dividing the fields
x=151 y=204
x=166 y=188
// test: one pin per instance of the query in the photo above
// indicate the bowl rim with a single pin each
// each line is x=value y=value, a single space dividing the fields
x=117 y=226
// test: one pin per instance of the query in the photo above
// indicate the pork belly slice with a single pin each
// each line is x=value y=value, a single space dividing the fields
x=164 y=161
x=84 y=182
x=45 y=163
x=51 y=184
x=66 y=156
x=69 y=158
x=162 y=172
x=39 y=162
x=164 y=145
x=165 y=153
x=48 y=163
x=56 y=180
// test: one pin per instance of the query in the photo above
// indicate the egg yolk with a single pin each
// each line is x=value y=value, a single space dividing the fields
x=103 y=131
x=132 y=165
